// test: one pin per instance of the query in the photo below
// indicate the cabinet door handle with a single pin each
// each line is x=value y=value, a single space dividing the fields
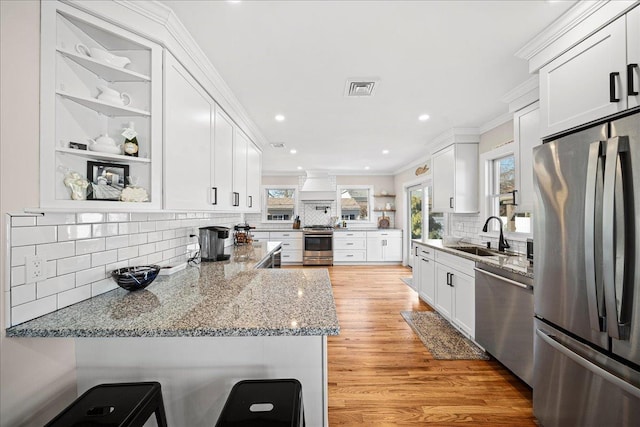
x=416 y=251
x=630 y=68
x=215 y=195
x=349 y=244
x=349 y=256
x=612 y=86
x=426 y=260
x=450 y=279
x=451 y=202
x=285 y=234
x=250 y=201
x=236 y=199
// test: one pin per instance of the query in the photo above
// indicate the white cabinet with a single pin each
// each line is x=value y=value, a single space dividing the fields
x=74 y=109
x=188 y=140
x=350 y=247
x=384 y=246
x=291 y=245
x=426 y=285
x=455 y=179
x=455 y=291
x=526 y=126
x=416 y=267
x=590 y=80
x=240 y=147
x=222 y=173
x=254 y=178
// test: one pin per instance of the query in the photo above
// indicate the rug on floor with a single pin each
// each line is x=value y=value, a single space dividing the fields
x=440 y=338
x=408 y=281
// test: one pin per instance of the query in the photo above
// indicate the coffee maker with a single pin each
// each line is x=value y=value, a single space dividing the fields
x=212 y=243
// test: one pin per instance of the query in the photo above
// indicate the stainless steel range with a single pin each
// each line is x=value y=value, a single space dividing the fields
x=318 y=245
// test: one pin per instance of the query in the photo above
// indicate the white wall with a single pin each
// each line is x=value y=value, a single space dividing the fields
x=37 y=377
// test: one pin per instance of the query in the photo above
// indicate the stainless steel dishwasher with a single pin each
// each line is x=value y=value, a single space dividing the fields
x=504 y=318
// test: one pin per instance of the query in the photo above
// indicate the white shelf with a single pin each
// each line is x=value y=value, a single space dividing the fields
x=103 y=156
x=104 y=107
x=105 y=71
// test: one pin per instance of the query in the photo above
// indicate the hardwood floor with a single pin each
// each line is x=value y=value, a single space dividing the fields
x=381 y=374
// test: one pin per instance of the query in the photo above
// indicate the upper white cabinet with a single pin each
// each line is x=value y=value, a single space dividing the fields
x=240 y=147
x=222 y=173
x=254 y=178
x=455 y=178
x=595 y=78
x=96 y=78
x=188 y=113
x=526 y=127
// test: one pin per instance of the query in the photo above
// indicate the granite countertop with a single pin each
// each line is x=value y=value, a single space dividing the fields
x=226 y=298
x=517 y=264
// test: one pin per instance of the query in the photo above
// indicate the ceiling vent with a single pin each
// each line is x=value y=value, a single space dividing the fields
x=277 y=145
x=361 y=87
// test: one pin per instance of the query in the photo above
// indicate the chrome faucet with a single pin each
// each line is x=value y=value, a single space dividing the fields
x=502 y=243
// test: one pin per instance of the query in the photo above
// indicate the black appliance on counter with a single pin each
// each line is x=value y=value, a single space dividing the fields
x=212 y=243
x=318 y=245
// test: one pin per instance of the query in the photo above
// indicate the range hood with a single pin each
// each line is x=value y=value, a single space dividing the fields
x=317 y=187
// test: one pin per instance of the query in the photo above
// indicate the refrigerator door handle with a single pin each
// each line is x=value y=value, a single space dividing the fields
x=613 y=239
x=592 y=367
x=593 y=198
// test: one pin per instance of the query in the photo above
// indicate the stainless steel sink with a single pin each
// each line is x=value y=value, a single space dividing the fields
x=475 y=250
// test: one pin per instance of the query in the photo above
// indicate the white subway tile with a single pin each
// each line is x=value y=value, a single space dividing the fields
x=74 y=232
x=33 y=309
x=138 y=216
x=162 y=245
x=168 y=254
x=118 y=217
x=116 y=242
x=142 y=260
x=115 y=266
x=155 y=236
x=23 y=221
x=170 y=234
x=161 y=216
x=91 y=275
x=89 y=246
x=103 y=258
x=126 y=253
x=17 y=276
x=23 y=294
x=72 y=264
x=164 y=225
x=73 y=296
x=104 y=230
x=137 y=239
x=128 y=228
x=52 y=269
x=147 y=226
x=55 y=285
x=89 y=218
x=154 y=258
x=103 y=286
x=147 y=249
x=56 y=219
x=18 y=254
x=57 y=250
x=22 y=236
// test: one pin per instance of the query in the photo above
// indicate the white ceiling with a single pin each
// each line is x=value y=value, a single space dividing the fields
x=453 y=60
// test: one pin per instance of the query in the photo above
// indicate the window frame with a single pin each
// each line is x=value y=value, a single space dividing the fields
x=486 y=180
x=340 y=188
x=264 y=189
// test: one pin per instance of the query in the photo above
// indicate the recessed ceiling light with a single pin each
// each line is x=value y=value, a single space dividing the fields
x=385 y=151
x=299 y=168
x=293 y=151
x=367 y=168
x=279 y=117
x=423 y=117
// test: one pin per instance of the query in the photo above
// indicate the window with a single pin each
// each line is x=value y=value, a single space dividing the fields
x=280 y=203
x=500 y=175
x=354 y=203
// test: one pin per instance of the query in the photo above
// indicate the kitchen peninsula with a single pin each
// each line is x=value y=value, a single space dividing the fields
x=201 y=330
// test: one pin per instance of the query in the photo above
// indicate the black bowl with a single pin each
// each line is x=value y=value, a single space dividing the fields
x=135 y=278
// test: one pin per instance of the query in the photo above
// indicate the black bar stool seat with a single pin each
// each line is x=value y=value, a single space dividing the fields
x=264 y=403
x=114 y=405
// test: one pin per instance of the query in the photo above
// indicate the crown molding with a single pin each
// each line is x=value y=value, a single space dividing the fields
x=453 y=136
x=414 y=165
x=492 y=124
x=174 y=36
x=532 y=83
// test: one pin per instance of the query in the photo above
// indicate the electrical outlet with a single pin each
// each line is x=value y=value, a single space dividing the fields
x=35 y=268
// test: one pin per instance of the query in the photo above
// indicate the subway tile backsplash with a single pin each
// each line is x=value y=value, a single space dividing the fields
x=81 y=250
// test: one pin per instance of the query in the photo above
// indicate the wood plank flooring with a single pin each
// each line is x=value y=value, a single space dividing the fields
x=380 y=373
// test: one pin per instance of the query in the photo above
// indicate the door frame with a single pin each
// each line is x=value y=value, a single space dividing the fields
x=424 y=182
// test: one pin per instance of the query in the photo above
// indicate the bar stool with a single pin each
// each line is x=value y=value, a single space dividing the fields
x=114 y=405
x=259 y=403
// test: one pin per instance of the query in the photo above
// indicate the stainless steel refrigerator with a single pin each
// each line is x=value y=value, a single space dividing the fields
x=587 y=277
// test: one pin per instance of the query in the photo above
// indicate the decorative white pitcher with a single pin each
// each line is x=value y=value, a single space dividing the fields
x=103 y=56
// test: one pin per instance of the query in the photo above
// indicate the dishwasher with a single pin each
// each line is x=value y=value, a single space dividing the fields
x=504 y=318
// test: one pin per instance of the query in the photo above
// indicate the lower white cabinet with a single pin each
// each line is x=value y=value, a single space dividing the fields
x=384 y=246
x=426 y=285
x=350 y=246
x=455 y=290
x=291 y=243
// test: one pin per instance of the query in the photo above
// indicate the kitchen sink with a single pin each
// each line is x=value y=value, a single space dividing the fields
x=474 y=250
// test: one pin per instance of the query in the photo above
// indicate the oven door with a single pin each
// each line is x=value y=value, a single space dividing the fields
x=317 y=244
